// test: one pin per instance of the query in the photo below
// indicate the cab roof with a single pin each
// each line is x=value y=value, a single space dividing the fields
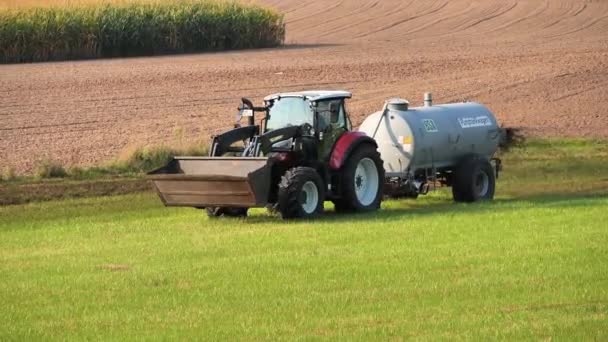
x=313 y=95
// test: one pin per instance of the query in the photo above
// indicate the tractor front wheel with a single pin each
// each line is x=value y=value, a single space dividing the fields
x=362 y=181
x=301 y=193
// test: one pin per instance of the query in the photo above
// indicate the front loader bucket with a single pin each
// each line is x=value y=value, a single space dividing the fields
x=213 y=182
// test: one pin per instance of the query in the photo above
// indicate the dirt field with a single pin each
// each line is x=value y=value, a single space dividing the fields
x=539 y=65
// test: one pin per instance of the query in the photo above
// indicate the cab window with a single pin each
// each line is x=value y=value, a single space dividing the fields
x=331 y=112
x=289 y=111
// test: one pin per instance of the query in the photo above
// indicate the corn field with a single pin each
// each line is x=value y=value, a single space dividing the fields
x=32 y=34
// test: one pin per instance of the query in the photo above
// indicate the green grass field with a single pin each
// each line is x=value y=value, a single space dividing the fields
x=531 y=265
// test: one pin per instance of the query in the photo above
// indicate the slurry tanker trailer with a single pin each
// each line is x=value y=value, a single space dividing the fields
x=304 y=151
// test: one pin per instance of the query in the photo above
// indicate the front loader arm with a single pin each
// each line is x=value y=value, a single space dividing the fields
x=270 y=138
x=222 y=143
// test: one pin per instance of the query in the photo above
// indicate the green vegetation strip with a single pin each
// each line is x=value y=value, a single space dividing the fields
x=555 y=167
x=19 y=193
x=534 y=168
x=135 y=28
x=53 y=181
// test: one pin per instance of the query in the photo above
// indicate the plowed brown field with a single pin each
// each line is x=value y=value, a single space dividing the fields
x=538 y=64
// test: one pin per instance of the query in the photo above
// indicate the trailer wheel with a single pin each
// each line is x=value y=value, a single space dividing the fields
x=474 y=180
x=362 y=181
x=227 y=212
x=301 y=193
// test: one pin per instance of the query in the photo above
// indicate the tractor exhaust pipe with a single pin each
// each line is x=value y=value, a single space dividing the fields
x=428 y=99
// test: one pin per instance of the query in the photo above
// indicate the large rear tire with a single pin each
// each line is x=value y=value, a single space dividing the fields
x=227 y=212
x=362 y=181
x=474 y=180
x=301 y=193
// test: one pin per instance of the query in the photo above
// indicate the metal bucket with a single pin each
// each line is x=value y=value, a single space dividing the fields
x=213 y=182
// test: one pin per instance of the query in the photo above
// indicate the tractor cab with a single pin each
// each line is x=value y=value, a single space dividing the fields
x=320 y=114
x=322 y=110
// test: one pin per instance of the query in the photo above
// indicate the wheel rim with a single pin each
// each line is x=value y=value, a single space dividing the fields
x=482 y=184
x=309 y=197
x=366 y=181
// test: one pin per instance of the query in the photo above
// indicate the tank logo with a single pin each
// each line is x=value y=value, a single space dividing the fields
x=429 y=125
x=478 y=121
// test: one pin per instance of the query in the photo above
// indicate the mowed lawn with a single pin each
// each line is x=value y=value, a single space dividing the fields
x=531 y=265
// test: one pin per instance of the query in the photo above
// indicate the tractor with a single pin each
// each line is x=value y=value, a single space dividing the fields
x=301 y=153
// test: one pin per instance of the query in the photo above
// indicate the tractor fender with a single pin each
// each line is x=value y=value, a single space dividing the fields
x=346 y=144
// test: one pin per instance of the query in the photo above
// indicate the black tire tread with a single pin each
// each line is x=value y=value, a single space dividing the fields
x=463 y=182
x=288 y=204
x=227 y=212
x=348 y=201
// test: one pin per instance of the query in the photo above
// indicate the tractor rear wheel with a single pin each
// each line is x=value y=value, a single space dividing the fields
x=301 y=193
x=474 y=180
x=228 y=212
x=362 y=181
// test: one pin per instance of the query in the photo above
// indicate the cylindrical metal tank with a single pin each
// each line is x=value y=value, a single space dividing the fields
x=433 y=136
